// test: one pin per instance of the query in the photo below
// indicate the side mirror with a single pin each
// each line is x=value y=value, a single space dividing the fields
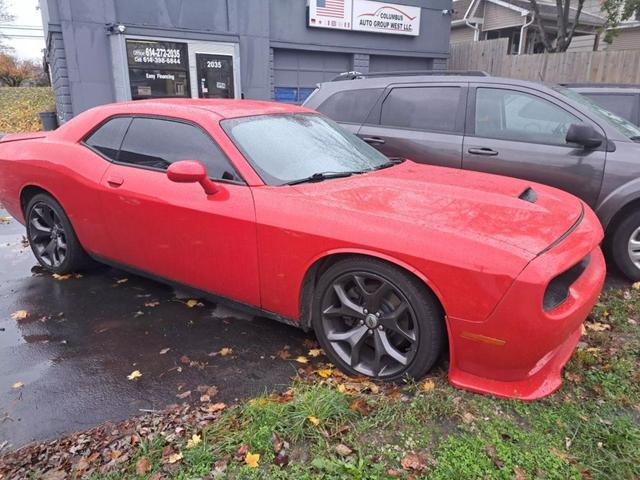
x=584 y=135
x=191 y=171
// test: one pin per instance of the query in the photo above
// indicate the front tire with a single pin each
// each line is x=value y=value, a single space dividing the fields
x=374 y=319
x=52 y=238
x=625 y=246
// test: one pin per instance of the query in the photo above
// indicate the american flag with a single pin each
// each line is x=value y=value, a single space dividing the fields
x=330 y=8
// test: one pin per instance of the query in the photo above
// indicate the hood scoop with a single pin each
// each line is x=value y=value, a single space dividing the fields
x=529 y=195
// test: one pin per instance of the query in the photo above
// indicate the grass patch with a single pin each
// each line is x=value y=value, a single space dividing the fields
x=20 y=107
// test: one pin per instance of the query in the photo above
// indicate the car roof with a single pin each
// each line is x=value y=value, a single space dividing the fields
x=383 y=81
x=223 y=108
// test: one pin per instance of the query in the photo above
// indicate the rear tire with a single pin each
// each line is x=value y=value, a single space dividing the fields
x=374 y=319
x=625 y=246
x=52 y=238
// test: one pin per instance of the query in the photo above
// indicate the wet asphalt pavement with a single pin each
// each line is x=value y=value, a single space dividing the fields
x=83 y=336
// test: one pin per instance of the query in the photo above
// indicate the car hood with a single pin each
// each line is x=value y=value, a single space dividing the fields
x=524 y=215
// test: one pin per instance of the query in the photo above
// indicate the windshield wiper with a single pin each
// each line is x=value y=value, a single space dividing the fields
x=392 y=161
x=320 y=176
x=635 y=138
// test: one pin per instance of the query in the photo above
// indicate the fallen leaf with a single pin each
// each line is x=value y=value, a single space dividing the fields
x=218 y=468
x=216 y=407
x=315 y=352
x=192 y=303
x=427 y=385
x=302 y=359
x=134 y=375
x=276 y=442
x=597 y=326
x=360 y=406
x=174 y=458
x=194 y=441
x=17 y=385
x=164 y=350
x=281 y=459
x=5 y=220
x=325 y=372
x=343 y=450
x=558 y=453
x=520 y=474
x=225 y=351
x=468 y=417
x=122 y=280
x=252 y=459
x=493 y=454
x=314 y=420
x=61 y=278
x=183 y=395
x=636 y=286
x=242 y=452
x=573 y=377
x=411 y=461
x=143 y=465
x=283 y=354
x=583 y=330
x=205 y=398
x=19 y=315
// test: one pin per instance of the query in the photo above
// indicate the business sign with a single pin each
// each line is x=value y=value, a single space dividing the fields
x=365 y=16
x=334 y=14
x=379 y=17
x=157 y=69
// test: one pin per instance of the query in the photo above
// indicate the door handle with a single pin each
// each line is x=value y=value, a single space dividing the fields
x=374 y=140
x=483 y=151
x=115 y=182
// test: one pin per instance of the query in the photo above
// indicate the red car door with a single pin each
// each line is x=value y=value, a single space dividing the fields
x=174 y=230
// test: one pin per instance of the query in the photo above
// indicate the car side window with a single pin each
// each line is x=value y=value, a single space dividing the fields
x=622 y=104
x=107 y=138
x=157 y=143
x=422 y=108
x=350 y=106
x=511 y=115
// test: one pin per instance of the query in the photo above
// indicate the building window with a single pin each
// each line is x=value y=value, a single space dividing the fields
x=158 y=69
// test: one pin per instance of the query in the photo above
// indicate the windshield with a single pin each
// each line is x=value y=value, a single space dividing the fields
x=625 y=127
x=292 y=147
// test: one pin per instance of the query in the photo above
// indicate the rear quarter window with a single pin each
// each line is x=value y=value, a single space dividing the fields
x=350 y=106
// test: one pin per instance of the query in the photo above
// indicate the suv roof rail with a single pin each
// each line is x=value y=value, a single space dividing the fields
x=358 y=75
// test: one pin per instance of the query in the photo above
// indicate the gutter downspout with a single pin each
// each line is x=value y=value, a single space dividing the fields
x=522 y=30
x=476 y=28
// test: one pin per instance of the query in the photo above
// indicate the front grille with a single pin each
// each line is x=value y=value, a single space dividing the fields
x=558 y=288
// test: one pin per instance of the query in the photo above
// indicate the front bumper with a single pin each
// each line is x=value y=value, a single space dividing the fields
x=520 y=349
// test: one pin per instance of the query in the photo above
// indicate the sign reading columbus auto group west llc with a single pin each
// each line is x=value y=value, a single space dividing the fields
x=365 y=16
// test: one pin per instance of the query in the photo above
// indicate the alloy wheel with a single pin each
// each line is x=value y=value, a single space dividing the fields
x=370 y=324
x=47 y=235
x=633 y=247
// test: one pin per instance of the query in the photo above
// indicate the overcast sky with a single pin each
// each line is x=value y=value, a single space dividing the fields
x=27 y=42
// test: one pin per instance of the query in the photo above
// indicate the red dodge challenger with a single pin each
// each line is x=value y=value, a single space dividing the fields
x=276 y=209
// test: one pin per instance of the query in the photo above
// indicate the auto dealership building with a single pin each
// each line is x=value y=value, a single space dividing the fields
x=101 y=51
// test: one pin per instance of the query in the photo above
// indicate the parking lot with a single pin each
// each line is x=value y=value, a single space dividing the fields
x=83 y=336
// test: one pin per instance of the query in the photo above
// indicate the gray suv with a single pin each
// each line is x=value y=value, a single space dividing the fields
x=546 y=134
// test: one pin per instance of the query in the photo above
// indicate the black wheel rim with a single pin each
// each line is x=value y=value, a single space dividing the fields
x=47 y=235
x=370 y=324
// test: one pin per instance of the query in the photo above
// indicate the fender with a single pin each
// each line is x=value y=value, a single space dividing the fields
x=381 y=256
x=617 y=200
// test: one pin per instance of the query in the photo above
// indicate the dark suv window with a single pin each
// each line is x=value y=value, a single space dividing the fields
x=108 y=137
x=157 y=143
x=422 y=108
x=621 y=104
x=350 y=106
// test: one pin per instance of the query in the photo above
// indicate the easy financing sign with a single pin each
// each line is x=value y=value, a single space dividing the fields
x=365 y=16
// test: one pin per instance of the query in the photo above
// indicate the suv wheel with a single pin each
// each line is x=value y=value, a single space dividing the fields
x=625 y=246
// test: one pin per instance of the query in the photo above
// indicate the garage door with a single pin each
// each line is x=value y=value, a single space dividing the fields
x=297 y=72
x=386 y=63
